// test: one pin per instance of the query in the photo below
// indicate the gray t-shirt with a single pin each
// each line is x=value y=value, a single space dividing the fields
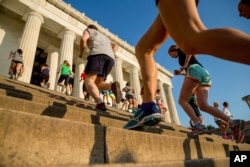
x=99 y=44
x=16 y=56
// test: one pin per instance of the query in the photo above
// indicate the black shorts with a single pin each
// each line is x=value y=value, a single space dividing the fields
x=14 y=61
x=218 y=122
x=128 y=96
x=71 y=81
x=65 y=78
x=157 y=1
x=100 y=64
x=44 y=78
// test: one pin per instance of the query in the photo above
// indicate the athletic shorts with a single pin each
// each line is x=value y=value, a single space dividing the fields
x=196 y=1
x=112 y=95
x=71 y=81
x=128 y=96
x=44 y=78
x=200 y=74
x=104 y=92
x=156 y=2
x=14 y=61
x=65 y=78
x=100 y=64
x=218 y=122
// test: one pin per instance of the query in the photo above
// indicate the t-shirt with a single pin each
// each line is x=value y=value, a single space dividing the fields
x=99 y=44
x=227 y=112
x=65 y=70
x=128 y=90
x=83 y=76
x=16 y=56
x=45 y=70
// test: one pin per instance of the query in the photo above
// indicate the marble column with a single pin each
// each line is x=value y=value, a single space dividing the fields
x=66 y=50
x=165 y=104
x=67 y=47
x=118 y=74
x=52 y=61
x=135 y=83
x=172 y=108
x=77 y=92
x=28 y=43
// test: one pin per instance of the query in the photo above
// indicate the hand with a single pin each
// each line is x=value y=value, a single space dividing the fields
x=177 y=72
x=183 y=68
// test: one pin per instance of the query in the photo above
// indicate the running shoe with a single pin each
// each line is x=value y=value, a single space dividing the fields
x=115 y=87
x=149 y=117
x=226 y=136
x=101 y=106
x=199 y=130
x=238 y=130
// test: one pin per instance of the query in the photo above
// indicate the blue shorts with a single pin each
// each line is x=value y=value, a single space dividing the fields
x=200 y=74
x=100 y=64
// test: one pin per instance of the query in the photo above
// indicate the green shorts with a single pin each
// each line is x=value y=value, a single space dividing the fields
x=200 y=74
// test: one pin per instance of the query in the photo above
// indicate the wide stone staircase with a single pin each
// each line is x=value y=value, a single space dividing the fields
x=44 y=128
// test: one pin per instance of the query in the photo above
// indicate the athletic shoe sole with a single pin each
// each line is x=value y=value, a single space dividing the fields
x=149 y=120
x=199 y=132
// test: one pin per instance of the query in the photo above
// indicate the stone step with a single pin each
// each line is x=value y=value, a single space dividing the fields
x=62 y=106
x=84 y=114
x=208 y=162
x=33 y=140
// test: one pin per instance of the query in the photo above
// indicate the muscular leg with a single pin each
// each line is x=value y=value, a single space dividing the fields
x=202 y=99
x=188 y=87
x=92 y=88
x=186 y=28
x=144 y=51
x=18 y=68
x=12 y=68
x=101 y=84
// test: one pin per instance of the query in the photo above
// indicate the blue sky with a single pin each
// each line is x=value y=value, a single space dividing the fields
x=129 y=19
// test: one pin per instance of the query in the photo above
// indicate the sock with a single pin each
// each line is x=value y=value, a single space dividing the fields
x=146 y=105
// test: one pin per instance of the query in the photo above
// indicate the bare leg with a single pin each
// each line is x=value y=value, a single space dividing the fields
x=202 y=99
x=12 y=68
x=92 y=88
x=187 y=30
x=101 y=84
x=145 y=50
x=18 y=68
x=188 y=87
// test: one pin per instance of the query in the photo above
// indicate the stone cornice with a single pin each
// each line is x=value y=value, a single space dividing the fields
x=84 y=19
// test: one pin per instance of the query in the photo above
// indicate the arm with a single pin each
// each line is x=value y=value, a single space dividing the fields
x=188 y=57
x=114 y=46
x=10 y=55
x=59 y=69
x=83 y=42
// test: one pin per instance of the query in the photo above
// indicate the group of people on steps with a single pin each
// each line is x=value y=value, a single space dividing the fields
x=189 y=42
